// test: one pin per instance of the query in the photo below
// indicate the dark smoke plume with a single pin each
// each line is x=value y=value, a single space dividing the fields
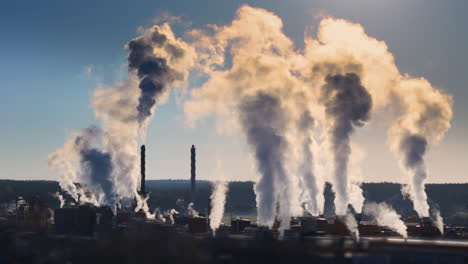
x=152 y=69
x=264 y=122
x=348 y=104
x=413 y=147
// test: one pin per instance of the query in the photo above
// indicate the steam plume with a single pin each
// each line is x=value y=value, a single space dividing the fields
x=352 y=225
x=170 y=213
x=60 y=198
x=218 y=200
x=426 y=118
x=263 y=121
x=313 y=184
x=347 y=104
x=439 y=221
x=157 y=61
x=386 y=216
x=79 y=161
x=191 y=211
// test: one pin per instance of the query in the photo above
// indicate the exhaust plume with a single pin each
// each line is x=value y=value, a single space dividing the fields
x=191 y=211
x=386 y=216
x=263 y=122
x=439 y=221
x=159 y=60
x=426 y=117
x=80 y=161
x=170 y=213
x=347 y=105
x=352 y=225
x=60 y=198
x=218 y=201
x=314 y=185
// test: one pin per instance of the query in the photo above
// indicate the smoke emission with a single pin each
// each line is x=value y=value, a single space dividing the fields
x=61 y=199
x=413 y=148
x=259 y=84
x=386 y=216
x=314 y=187
x=93 y=169
x=439 y=221
x=347 y=104
x=149 y=57
x=157 y=61
x=218 y=201
x=191 y=211
x=352 y=225
x=263 y=122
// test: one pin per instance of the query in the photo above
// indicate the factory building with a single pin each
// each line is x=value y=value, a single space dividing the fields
x=78 y=220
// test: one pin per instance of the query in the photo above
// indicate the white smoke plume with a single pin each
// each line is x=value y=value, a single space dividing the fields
x=386 y=216
x=352 y=225
x=260 y=84
x=81 y=160
x=61 y=199
x=342 y=76
x=347 y=105
x=313 y=185
x=255 y=95
x=157 y=61
x=191 y=211
x=439 y=221
x=218 y=201
x=170 y=214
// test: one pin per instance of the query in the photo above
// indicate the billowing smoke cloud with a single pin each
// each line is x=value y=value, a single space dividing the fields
x=250 y=64
x=218 y=201
x=413 y=148
x=347 y=104
x=81 y=161
x=426 y=117
x=158 y=59
x=264 y=122
x=386 y=216
x=327 y=79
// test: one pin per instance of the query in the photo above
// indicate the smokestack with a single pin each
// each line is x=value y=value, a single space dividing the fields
x=142 y=168
x=192 y=171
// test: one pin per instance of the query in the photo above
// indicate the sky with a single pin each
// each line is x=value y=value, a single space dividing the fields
x=54 y=54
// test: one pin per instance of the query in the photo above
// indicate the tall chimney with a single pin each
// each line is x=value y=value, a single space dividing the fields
x=192 y=171
x=142 y=170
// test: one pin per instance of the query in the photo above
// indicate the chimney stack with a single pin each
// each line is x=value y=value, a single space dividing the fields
x=142 y=170
x=192 y=171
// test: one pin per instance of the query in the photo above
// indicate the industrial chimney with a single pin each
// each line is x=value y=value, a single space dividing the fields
x=192 y=173
x=142 y=171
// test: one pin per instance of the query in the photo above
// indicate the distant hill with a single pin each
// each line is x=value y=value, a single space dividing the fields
x=452 y=199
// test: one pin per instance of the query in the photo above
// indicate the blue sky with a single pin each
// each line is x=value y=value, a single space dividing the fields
x=46 y=46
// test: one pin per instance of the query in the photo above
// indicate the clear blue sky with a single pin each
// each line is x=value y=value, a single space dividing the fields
x=45 y=47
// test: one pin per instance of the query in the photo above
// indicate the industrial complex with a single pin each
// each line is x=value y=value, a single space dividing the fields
x=76 y=231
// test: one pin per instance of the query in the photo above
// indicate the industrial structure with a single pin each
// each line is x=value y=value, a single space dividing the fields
x=309 y=238
x=192 y=173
